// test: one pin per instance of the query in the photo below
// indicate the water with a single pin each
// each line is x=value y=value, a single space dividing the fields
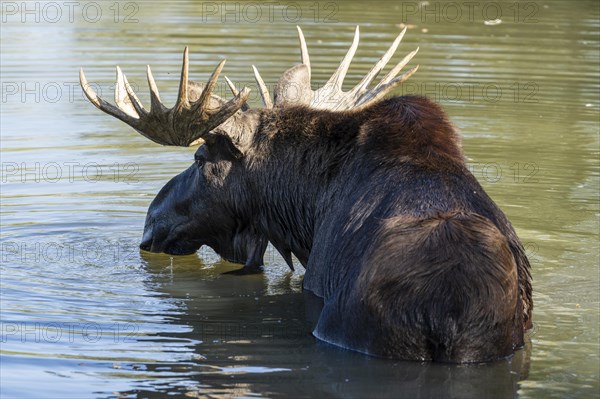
x=84 y=314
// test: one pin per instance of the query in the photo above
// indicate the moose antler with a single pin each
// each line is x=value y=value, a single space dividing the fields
x=187 y=123
x=294 y=86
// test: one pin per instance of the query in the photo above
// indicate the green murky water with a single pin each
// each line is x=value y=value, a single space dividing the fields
x=84 y=314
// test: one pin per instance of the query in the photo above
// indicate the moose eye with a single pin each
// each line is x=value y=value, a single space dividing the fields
x=199 y=161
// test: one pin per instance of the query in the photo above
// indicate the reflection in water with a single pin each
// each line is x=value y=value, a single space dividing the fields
x=83 y=314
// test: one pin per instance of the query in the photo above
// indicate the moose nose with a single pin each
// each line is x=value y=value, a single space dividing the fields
x=147 y=239
x=146 y=245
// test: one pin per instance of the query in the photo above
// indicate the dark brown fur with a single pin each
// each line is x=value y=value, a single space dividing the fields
x=423 y=277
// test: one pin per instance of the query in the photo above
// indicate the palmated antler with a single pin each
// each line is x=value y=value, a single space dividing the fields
x=196 y=112
x=294 y=86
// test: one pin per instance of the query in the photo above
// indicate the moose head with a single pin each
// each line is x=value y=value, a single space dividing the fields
x=201 y=206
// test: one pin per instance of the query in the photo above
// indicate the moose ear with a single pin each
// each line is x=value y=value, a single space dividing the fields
x=219 y=143
x=293 y=88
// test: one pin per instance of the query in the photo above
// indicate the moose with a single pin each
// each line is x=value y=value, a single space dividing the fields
x=372 y=195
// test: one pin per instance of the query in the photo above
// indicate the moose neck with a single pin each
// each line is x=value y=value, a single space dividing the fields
x=297 y=155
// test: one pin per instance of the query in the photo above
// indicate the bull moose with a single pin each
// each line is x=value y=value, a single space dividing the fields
x=412 y=258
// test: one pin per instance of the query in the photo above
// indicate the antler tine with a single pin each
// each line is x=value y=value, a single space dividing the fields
x=366 y=81
x=103 y=105
x=264 y=92
x=204 y=99
x=395 y=70
x=232 y=87
x=126 y=98
x=122 y=98
x=382 y=89
x=230 y=108
x=338 y=76
x=234 y=91
x=182 y=97
x=388 y=82
x=304 y=51
x=224 y=113
x=155 y=104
